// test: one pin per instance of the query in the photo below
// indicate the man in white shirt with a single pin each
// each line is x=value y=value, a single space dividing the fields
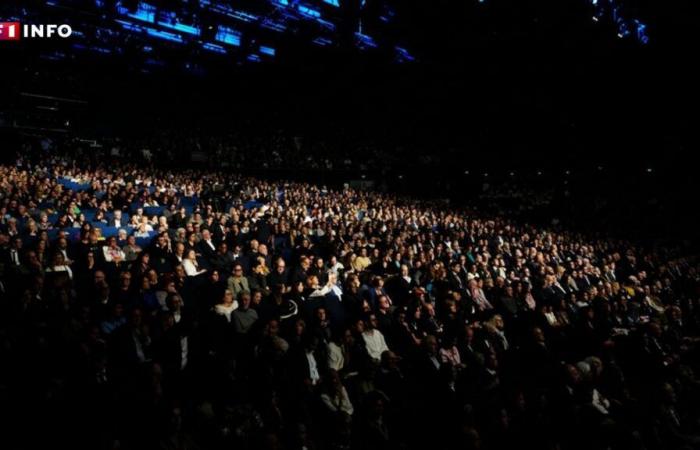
x=335 y=266
x=330 y=287
x=374 y=339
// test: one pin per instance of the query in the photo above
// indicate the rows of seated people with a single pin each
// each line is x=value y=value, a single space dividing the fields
x=200 y=309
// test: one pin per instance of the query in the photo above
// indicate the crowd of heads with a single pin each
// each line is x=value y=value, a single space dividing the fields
x=278 y=315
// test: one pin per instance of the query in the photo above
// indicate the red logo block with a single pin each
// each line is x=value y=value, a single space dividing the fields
x=10 y=31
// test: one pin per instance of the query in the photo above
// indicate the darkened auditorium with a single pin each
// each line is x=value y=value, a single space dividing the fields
x=349 y=224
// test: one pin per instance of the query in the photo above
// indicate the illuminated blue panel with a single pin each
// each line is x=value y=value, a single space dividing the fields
x=144 y=12
x=164 y=35
x=402 y=55
x=332 y=2
x=281 y=2
x=267 y=50
x=309 y=12
x=326 y=24
x=272 y=25
x=365 y=41
x=130 y=26
x=288 y=14
x=170 y=20
x=244 y=16
x=230 y=11
x=229 y=36
x=213 y=48
x=323 y=42
x=254 y=58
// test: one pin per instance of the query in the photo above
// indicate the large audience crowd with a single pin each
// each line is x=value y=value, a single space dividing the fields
x=189 y=309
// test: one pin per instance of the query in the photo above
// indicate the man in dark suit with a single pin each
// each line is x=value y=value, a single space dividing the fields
x=454 y=278
x=161 y=253
x=206 y=247
x=279 y=274
x=12 y=255
x=117 y=220
x=401 y=286
x=552 y=291
x=179 y=219
x=240 y=258
x=219 y=230
x=66 y=250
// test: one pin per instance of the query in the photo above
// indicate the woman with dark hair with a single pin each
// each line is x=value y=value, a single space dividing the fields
x=142 y=265
x=79 y=222
x=99 y=217
x=297 y=294
x=376 y=290
x=41 y=249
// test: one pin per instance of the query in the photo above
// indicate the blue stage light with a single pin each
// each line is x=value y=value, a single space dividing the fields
x=267 y=50
x=214 y=48
x=228 y=36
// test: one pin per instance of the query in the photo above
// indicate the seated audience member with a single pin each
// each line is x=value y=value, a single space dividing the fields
x=374 y=339
x=191 y=265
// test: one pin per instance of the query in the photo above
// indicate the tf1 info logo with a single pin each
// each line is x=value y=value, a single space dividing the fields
x=14 y=31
